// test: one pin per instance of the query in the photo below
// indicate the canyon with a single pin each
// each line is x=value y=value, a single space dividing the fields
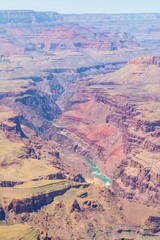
x=79 y=93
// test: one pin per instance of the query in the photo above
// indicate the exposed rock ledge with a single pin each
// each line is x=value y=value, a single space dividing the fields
x=28 y=199
x=9 y=183
x=147 y=60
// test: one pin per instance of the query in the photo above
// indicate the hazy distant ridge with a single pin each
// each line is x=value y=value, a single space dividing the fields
x=28 y=16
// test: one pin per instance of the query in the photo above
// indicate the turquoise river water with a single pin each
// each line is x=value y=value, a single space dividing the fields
x=97 y=173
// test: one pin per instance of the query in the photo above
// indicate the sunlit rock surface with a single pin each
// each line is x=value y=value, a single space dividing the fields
x=77 y=87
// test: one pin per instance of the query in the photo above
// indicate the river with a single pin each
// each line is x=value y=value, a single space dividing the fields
x=97 y=173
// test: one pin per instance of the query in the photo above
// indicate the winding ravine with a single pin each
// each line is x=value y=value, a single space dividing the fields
x=97 y=173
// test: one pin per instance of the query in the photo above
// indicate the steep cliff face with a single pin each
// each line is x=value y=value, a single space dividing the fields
x=120 y=131
x=28 y=16
x=76 y=205
x=40 y=198
x=2 y=213
x=42 y=105
x=38 y=101
x=150 y=60
x=13 y=125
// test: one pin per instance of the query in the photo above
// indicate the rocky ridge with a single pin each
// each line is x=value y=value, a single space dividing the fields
x=27 y=16
x=149 y=60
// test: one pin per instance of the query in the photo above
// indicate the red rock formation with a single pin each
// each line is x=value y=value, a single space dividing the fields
x=37 y=33
x=147 y=60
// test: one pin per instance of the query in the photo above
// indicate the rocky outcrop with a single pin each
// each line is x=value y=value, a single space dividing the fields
x=43 y=236
x=79 y=178
x=13 y=125
x=42 y=105
x=34 y=203
x=147 y=126
x=27 y=16
x=38 y=103
x=30 y=47
x=151 y=227
x=18 y=129
x=56 y=88
x=9 y=183
x=28 y=152
x=147 y=60
x=58 y=175
x=75 y=207
x=2 y=213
